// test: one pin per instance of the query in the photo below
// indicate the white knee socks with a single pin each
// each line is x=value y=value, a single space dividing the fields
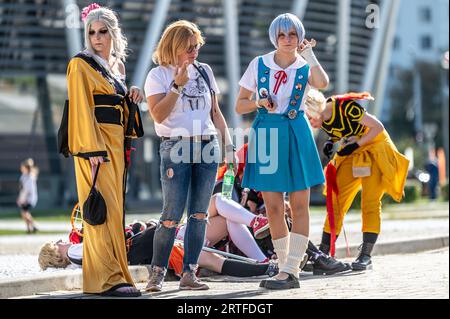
x=281 y=247
x=297 y=248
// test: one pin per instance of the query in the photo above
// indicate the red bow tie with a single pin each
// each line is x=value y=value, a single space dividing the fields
x=281 y=78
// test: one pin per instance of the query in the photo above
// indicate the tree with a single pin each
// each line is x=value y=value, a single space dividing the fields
x=401 y=124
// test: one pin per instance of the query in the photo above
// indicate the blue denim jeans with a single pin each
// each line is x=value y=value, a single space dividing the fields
x=188 y=173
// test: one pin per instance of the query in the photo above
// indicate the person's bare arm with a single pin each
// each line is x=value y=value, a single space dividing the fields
x=245 y=104
x=319 y=78
x=375 y=128
x=161 y=105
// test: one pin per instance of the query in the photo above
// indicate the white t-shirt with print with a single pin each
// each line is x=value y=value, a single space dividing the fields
x=75 y=253
x=191 y=114
x=250 y=79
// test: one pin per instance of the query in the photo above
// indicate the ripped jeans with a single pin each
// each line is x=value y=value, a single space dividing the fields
x=192 y=181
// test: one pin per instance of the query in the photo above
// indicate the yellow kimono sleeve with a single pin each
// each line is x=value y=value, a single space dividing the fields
x=85 y=139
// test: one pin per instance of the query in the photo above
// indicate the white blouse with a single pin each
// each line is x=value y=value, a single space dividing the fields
x=283 y=97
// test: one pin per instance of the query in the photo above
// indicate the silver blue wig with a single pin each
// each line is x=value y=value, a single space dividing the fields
x=284 y=23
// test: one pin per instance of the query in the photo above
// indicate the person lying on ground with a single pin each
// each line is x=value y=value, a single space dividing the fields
x=62 y=254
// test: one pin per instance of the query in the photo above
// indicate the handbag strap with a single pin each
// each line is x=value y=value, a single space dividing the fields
x=205 y=77
x=95 y=176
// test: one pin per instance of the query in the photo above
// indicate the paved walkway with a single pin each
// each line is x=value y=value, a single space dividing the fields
x=399 y=223
x=422 y=227
x=423 y=275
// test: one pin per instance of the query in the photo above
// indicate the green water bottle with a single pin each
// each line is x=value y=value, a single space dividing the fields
x=228 y=182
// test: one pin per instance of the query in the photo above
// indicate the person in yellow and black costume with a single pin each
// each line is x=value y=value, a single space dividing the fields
x=366 y=158
x=98 y=118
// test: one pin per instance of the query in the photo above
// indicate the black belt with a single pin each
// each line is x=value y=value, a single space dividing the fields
x=108 y=99
x=108 y=115
x=197 y=138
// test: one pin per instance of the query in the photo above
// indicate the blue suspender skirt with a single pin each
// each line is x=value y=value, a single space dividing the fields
x=282 y=154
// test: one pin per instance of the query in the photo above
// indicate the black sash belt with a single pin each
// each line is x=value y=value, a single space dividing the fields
x=108 y=115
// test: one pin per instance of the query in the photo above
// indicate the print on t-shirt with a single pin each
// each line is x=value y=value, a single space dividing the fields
x=194 y=94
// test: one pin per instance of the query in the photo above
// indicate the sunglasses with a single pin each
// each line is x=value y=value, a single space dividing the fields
x=103 y=32
x=193 y=48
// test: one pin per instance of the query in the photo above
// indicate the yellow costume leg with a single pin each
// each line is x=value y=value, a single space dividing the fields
x=348 y=188
x=372 y=193
x=104 y=253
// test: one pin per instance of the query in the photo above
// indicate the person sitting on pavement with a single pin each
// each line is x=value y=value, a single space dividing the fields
x=220 y=228
x=140 y=252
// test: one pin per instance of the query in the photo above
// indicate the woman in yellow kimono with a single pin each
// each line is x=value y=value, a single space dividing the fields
x=367 y=158
x=97 y=120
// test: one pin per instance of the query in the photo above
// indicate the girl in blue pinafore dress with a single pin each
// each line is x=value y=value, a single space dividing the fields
x=282 y=155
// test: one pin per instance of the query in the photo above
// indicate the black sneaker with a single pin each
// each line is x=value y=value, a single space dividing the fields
x=272 y=270
x=363 y=262
x=308 y=267
x=326 y=265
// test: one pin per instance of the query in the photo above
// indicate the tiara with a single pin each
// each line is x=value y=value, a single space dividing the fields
x=86 y=10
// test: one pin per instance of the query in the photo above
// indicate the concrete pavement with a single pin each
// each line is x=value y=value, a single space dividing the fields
x=413 y=276
x=411 y=231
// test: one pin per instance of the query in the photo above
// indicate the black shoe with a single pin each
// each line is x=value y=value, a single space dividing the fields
x=364 y=262
x=304 y=261
x=308 y=267
x=291 y=282
x=324 y=248
x=117 y=293
x=326 y=265
x=262 y=284
x=272 y=270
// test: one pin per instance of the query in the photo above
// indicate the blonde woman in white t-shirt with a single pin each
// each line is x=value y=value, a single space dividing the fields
x=187 y=117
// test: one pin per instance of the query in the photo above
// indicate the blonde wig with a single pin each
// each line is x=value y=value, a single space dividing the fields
x=315 y=103
x=109 y=18
x=174 y=41
x=49 y=256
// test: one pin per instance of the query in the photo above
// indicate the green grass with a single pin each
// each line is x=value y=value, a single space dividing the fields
x=63 y=215
x=10 y=232
x=44 y=215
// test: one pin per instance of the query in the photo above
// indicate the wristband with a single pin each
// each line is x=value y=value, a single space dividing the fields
x=177 y=89
x=310 y=57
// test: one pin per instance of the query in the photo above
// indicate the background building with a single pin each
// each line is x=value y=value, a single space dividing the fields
x=38 y=37
x=416 y=99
